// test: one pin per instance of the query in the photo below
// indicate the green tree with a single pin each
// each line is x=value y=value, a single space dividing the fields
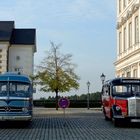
x=56 y=72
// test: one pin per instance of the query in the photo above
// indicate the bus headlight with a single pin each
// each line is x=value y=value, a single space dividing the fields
x=24 y=109
x=118 y=108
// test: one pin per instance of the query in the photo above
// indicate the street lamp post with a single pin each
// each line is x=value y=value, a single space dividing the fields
x=102 y=78
x=88 y=96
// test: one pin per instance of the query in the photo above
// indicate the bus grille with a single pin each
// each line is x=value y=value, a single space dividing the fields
x=10 y=109
x=134 y=107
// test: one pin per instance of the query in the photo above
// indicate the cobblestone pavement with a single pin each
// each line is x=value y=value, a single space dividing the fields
x=77 y=124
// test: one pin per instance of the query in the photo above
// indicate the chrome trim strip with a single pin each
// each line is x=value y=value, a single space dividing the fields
x=135 y=120
x=15 y=98
x=14 y=118
x=118 y=117
x=120 y=98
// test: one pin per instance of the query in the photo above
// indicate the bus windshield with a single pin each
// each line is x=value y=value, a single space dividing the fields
x=16 y=89
x=126 y=90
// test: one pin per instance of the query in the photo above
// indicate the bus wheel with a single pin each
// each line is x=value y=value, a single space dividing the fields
x=106 y=118
x=116 y=122
x=27 y=123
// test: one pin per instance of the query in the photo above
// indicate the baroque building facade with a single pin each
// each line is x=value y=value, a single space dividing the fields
x=128 y=38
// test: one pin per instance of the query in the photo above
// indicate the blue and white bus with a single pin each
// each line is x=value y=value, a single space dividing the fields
x=16 y=97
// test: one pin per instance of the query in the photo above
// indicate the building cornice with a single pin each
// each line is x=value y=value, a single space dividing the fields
x=127 y=57
x=129 y=14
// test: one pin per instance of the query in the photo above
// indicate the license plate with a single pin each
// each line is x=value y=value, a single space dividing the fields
x=135 y=120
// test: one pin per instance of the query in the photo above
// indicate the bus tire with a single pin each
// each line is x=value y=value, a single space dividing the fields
x=116 y=122
x=105 y=117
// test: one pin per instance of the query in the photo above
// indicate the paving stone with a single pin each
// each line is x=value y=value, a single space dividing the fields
x=78 y=124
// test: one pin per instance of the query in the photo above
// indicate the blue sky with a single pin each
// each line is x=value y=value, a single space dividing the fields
x=86 y=29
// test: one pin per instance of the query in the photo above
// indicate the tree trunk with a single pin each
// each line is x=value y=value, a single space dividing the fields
x=56 y=99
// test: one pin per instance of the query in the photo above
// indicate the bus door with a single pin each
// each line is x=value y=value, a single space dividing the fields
x=106 y=99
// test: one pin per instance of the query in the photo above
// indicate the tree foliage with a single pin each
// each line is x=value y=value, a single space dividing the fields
x=56 y=72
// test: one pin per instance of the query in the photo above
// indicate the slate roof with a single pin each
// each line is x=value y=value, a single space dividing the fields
x=17 y=36
x=6 y=28
x=23 y=36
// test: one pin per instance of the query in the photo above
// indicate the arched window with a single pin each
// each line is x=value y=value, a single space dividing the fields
x=120 y=6
x=130 y=35
x=120 y=42
x=124 y=39
x=136 y=29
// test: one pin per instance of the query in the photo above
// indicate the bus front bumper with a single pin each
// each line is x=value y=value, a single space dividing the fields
x=15 y=118
x=131 y=119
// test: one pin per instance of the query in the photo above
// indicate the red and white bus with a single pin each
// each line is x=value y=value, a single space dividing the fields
x=121 y=100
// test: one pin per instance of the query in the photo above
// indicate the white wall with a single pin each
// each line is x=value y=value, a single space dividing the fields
x=21 y=57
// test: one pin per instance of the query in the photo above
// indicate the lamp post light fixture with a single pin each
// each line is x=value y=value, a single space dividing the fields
x=102 y=78
x=88 y=95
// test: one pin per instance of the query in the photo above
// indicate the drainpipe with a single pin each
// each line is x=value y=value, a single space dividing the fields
x=7 y=69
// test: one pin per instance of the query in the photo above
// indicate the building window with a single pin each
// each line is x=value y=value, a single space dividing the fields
x=0 y=50
x=124 y=39
x=130 y=35
x=17 y=69
x=136 y=30
x=128 y=74
x=0 y=56
x=120 y=42
x=119 y=6
x=0 y=61
x=135 y=73
x=17 y=57
x=124 y=3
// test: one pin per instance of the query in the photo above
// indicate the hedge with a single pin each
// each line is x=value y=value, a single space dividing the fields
x=73 y=103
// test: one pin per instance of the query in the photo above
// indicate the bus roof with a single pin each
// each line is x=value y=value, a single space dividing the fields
x=14 y=77
x=123 y=80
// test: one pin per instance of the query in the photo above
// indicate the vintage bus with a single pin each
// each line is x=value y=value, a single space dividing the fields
x=16 y=100
x=121 y=100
